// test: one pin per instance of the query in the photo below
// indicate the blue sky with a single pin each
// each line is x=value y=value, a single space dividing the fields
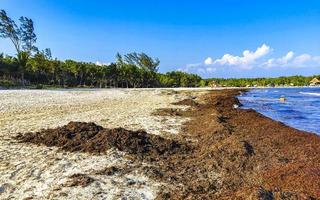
x=205 y=37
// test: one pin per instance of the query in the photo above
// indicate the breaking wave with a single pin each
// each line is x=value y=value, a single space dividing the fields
x=310 y=93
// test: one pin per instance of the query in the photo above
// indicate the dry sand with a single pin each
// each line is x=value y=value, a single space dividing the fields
x=39 y=172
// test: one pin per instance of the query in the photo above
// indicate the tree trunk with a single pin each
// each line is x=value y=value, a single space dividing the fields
x=22 y=79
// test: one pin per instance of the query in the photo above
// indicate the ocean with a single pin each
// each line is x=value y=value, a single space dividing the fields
x=300 y=110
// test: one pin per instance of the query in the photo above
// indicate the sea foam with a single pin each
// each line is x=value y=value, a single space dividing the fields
x=310 y=93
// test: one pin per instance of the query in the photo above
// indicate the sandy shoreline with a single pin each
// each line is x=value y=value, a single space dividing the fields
x=236 y=153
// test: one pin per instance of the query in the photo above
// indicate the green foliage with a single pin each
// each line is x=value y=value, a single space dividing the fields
x=27 y=35
x=22 y=60
x=179 y=79
x=142 y=60
x=40 y=86
x=8 y=65
x=7 y=83
x=41 y=70
x=202 y=83
x=262 y=82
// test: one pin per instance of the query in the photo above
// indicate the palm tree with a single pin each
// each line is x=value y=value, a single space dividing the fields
x=22 y=61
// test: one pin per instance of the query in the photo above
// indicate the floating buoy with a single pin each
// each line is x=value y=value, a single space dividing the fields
x=282 y=99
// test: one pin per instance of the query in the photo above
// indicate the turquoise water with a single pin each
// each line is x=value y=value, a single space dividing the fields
x=301 y=109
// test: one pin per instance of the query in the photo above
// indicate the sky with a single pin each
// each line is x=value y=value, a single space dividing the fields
x=229 y=38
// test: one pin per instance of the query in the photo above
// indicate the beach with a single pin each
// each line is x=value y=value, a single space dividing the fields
x=36 y=171
x=217 y=151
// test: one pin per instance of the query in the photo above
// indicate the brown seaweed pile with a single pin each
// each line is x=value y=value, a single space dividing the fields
x=91 y=138
x=240 y=154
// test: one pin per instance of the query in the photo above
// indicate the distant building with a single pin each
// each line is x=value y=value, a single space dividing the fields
x=314 y=82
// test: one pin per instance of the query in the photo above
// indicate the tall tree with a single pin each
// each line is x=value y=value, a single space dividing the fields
x=23 y=38
x=28 y=37
x=142 y=60
x=9 y=29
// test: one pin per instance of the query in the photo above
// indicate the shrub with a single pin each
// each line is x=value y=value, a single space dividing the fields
x=7 y=83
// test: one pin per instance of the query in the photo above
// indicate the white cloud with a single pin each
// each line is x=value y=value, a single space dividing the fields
x=101 y=63
x=180 y=69
x=302 y=59
x=228 y=59
x=246 y=61
x=260 y=58
x=208 y=61
x=279 y=62
x=292 y=61
x=260 y=52
x=287 y=57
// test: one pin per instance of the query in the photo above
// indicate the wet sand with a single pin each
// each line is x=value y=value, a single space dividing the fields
x=222 y=153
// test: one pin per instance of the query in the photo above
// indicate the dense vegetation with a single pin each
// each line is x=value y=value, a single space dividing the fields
x=130 y=71
x=34 y=67
x=264 y=82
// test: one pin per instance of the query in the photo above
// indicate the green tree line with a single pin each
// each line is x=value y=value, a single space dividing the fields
x=31 y=66
x=129 y=71
x=263 y=82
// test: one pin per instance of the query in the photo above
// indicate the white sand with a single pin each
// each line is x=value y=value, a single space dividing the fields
x=40 y=172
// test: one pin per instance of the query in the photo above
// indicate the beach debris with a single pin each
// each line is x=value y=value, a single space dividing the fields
x=187 y=102
x=115 y=170
x=264 y=194
x=168 y=112
x=153 y=172
x=82 y=180
x=2 y=189
x=249 y=148
x=109 y=171
x=6 y=188
x=235 y=106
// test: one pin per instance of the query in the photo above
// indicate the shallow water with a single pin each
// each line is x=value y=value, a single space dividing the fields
x=301 y=109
